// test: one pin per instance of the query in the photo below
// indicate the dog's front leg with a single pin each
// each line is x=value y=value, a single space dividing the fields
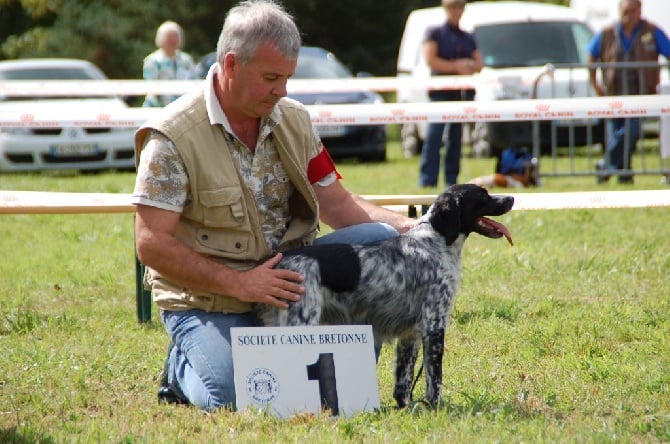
x=407 y=351
x=433 y=350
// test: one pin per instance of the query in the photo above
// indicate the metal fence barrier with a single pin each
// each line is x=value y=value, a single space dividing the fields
x=583 y=142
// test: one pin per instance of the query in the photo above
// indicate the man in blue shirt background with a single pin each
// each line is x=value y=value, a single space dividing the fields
x=631 y=39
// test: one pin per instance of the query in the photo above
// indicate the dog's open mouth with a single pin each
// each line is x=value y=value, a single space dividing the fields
x=490 y=228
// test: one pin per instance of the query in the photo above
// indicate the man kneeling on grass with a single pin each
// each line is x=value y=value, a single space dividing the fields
x=229 y=176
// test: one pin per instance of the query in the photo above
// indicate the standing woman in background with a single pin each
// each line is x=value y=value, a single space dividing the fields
x=168 y=62
x=448 y=50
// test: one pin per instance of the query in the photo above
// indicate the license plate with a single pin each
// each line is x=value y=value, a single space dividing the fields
x=330 y=130
x=73 y=149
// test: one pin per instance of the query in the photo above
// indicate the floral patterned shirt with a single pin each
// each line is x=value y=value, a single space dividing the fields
x=162 y=180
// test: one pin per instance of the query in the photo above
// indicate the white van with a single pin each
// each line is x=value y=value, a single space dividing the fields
x=519 y=42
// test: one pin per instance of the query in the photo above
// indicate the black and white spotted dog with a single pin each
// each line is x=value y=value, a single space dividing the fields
x=404 y=287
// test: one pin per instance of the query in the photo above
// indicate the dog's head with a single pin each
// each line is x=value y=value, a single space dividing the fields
x=463 y=209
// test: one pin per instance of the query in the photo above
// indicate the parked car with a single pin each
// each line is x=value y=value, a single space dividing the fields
x=36 y=149
x=205 y=62
x=366 y=142
x=520 y=43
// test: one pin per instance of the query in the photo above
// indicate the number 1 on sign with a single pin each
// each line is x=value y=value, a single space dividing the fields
x=323 y=370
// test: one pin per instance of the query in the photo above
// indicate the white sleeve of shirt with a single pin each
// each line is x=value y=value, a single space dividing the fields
x=162 y=181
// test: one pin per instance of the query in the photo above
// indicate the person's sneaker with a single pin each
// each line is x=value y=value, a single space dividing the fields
x=600 y=177
x=626 y=180
x=170 y=393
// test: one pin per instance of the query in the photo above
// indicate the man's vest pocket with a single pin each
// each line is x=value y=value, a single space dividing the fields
x=223 y=207
x=229 y=244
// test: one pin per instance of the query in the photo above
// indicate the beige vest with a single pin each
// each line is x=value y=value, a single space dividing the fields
x=222 y=222
x=630 y=81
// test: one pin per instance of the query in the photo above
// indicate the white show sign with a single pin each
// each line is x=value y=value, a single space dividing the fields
x=289 y=370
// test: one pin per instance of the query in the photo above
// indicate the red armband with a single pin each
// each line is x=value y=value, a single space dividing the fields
x=321 y=166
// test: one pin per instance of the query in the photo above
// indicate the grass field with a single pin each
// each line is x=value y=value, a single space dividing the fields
x=562 y=338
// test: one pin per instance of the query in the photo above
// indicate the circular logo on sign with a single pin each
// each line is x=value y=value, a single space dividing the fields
x=262 y=386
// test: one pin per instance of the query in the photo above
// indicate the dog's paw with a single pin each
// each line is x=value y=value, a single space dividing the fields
x=402 y=398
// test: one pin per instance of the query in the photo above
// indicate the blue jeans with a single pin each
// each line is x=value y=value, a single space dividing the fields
x=201 y=361
x=430 y=152
x=620 y=148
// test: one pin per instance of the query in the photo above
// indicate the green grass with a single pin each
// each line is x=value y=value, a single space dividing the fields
x=561 y=338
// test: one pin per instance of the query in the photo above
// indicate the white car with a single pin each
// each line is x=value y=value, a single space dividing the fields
x=37 y=149
x=523 y=44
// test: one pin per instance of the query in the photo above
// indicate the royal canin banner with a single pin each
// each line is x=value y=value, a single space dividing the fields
x=387 y=113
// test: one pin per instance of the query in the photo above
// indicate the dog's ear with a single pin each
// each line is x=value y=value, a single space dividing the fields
x=445 y=216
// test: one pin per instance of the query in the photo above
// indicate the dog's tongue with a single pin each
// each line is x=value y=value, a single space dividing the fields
x=498 y=227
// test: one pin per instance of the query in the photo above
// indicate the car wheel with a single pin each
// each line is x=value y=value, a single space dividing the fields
x=377 y=142
x=479 y=138
x=375 y=157
x=410 y=141
x=495 y=137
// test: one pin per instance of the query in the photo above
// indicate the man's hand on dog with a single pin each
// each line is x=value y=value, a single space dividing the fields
x=266 y=285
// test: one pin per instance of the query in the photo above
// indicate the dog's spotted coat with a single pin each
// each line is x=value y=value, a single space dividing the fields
x=404 y=287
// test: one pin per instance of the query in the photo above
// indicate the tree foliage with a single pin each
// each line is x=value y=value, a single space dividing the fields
x=117 y=34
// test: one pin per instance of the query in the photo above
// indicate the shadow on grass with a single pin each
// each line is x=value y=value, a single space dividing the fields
x=477 y=404
x=508 y=311
x=22 y=320
x=15 y=436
